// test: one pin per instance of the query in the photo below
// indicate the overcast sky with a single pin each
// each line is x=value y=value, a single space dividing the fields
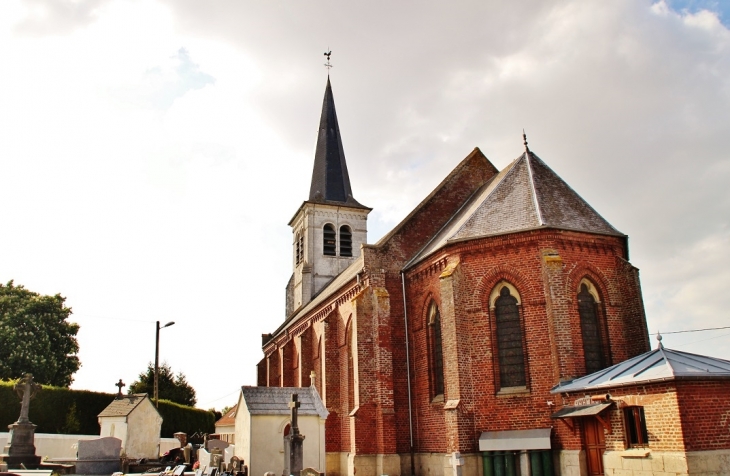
x=152 y=152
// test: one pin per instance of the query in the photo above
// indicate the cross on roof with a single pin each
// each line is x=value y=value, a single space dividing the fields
x=119 y=385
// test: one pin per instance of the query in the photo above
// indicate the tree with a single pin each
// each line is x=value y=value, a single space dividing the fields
x=36 y=338
x=171 y=387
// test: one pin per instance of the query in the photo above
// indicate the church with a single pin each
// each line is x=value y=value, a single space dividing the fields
x=456 y=344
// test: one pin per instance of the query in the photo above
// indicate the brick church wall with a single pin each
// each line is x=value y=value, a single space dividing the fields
x=553 y=343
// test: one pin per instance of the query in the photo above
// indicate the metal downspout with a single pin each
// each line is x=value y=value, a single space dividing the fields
x=408 y=369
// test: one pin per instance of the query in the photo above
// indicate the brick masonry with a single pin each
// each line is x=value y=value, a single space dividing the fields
x=355 y=342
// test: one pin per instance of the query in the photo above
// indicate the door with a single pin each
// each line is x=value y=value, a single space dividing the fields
x=595 y=445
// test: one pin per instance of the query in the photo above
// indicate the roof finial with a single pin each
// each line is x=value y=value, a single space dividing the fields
x=659 y=338
x=524 y=138
x=328 y=65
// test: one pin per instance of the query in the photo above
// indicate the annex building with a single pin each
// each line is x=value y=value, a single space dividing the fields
x=456 y=344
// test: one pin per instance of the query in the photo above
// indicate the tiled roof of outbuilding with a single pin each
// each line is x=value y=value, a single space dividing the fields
x=123 y=406
x=659 y=364
x=525 y=195
x=275 y=400
x=229 y=418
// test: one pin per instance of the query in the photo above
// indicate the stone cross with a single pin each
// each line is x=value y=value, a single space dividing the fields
x=293 y=443
x=294 y=405
x=26 y=390
x=456 y=461
x=312 y=378
x=119 y=385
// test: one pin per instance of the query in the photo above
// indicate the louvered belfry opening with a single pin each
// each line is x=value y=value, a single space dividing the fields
x=329 y=241
x=509 y=340
x=299 y=249
x=590 y=329
x=345 y=241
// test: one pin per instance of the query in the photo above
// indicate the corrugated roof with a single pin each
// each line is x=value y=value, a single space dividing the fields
x=275 y=400
x=123 y=406
x=656 y=365
x=525 y=195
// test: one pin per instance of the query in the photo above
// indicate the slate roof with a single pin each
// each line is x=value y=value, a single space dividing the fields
x=123 y=406
x=330 y=180
x=656 y=365
x=325 y=293
x=525 y=195
x=275 y=400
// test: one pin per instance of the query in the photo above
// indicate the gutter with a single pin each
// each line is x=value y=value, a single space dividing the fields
x=408 y=369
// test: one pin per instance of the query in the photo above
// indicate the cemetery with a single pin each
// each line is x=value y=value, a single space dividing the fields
x=129 y=439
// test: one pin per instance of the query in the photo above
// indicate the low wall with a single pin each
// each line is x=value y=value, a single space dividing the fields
x=49 y=445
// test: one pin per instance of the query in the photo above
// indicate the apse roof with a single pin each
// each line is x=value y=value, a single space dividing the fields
x=656 y=365
x=525 y=195
x=330 y=180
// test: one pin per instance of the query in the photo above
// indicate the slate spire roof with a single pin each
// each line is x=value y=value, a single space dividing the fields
x=330 y=180
x=525 y=195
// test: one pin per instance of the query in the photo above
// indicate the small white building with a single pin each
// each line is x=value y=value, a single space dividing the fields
x=263 y=418
x=225 y=428
x=134 y=420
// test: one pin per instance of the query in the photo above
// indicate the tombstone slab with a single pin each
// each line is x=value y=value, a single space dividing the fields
x=99 y=456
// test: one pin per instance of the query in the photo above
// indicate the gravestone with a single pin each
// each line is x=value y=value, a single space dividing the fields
x=204 y=460
x=310 y=472
x=20 y=449
x=228 y=454
x=210 y=445
x=293 y=442
x=100 y=456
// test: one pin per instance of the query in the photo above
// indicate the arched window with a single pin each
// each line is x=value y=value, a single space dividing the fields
x=329 y=247
x=350 y=368
x=437 y=355
x=509 y=340
x=345 y=241
x=590 y=330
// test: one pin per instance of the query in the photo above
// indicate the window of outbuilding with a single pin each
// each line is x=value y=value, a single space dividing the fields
x=329 y=247
x=437 y=355
x=509 y=340
x=345 y=241
x=635 y=424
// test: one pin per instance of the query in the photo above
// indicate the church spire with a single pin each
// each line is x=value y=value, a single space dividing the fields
x=330 y=180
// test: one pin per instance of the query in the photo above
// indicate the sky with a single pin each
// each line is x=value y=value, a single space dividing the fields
x=152 y=152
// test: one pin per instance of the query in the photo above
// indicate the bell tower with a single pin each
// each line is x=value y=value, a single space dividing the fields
x=330 y=226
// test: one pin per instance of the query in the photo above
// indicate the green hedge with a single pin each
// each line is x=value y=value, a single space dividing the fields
x=61 y=410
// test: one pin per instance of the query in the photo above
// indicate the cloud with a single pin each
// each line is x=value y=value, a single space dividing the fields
x=153 y=151
x=57 y=17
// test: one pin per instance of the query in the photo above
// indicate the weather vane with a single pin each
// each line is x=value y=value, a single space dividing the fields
x=524 y=138
x=328 y=65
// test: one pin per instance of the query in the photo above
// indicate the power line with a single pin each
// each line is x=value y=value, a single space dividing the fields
x=694 y=330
